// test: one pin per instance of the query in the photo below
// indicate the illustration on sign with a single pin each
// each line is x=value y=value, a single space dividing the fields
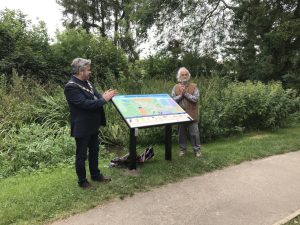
x=149 y=110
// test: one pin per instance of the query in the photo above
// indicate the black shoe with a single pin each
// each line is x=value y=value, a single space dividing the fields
x=85 y=185
x=101 y=178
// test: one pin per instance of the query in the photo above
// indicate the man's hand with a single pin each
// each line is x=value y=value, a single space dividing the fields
x=109 y=94
x=181 y=89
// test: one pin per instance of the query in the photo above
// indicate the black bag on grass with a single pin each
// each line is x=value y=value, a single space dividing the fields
x=124 y=160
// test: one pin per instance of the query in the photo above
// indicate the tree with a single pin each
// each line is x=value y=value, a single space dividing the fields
x=199 y=25
x=24 y=48
x=265 y=40
x=108 y=62
x=262 y=36
x=109 y=18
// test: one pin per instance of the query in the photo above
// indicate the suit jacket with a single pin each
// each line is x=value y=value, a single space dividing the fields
x=86 y=113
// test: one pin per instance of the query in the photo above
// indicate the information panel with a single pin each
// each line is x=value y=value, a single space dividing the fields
x=149 y=110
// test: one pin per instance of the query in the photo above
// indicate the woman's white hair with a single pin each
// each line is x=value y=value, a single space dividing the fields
x=179 y=72
x=79 y=64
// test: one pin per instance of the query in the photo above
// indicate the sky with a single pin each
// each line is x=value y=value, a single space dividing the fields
x=47 y=10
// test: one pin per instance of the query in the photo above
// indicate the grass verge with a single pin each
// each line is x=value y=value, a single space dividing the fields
x=294 y=221
x=51 y=194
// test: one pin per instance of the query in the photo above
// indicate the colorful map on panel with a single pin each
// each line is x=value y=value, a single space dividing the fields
x=131 y=106
x=149 y=110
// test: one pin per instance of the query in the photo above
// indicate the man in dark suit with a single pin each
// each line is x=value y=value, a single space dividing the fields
x=87 y=115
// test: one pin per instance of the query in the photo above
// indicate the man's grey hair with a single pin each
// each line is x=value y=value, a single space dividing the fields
x=79 y=64
x=179 y=71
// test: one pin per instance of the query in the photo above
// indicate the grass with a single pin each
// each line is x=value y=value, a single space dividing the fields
x=294 y=221
x=50 y=194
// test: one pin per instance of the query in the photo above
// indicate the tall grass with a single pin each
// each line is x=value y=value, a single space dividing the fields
x=34 y=129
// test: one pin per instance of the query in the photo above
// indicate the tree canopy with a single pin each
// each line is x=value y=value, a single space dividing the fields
x=246 y=40
x=109 y=18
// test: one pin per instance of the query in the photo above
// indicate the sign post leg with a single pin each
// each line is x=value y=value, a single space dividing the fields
x=168 y=142
x=132 y=150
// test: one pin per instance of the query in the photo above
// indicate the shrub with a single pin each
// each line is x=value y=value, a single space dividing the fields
x=17 y=102
x=254 y=105
x=51 y=110
x=211 y=107
x=32 y=147
x=35 y=131
x=23 y=47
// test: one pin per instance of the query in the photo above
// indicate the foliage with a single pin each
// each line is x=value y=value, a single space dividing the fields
x=134 y=81
x=258 y=106
x=165 y=65
x=264 y=45
x=50 y=194
x=25 y=49
x=211 y=107
x=111 y=19
x=160 y=66
x=116 y=131
x=33 y=112
x=52 y=110
x=108 y=62
x=227 y=108
x=265 y=40
x=22 y=47
x=17 y=102
x=295 y=220
x=196 y=25
x=33 y=146
x=261 y=38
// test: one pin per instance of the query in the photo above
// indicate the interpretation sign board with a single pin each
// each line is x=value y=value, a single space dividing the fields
x=149 y=110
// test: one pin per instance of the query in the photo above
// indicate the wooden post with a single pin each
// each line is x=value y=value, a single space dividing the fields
x=132 y=149
x=168 y=142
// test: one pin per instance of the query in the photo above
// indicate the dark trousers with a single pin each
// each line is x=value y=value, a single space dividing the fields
x=82 y=145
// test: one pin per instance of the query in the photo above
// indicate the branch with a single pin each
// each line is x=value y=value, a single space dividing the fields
x=227 y=6
x=209 y=14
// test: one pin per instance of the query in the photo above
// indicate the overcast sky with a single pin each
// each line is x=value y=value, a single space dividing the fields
x=47 y=10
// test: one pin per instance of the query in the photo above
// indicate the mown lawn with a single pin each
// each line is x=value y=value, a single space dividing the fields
x=47 y=195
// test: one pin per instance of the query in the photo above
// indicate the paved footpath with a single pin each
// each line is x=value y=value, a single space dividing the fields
x=260 y=192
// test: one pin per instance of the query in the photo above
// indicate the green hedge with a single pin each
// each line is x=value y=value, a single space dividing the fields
x=245 y=106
